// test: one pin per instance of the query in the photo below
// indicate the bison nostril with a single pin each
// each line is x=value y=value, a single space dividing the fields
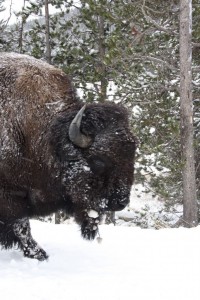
x=120 y=207
x=123 y=202
x=117 y=204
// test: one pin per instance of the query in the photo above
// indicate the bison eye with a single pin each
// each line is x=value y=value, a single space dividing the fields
x=97 y=165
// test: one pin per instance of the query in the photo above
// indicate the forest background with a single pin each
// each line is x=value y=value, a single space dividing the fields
x=124 y=51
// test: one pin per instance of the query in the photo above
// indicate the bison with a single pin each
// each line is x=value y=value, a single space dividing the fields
x=57 y=153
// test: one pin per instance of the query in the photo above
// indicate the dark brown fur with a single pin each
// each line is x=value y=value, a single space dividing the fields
x=41 y=170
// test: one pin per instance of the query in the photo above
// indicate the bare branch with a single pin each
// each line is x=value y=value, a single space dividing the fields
x=157 y=61
x=196 y=69
x=195 y=45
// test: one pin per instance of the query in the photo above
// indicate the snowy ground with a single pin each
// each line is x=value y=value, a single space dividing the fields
x=130 y=263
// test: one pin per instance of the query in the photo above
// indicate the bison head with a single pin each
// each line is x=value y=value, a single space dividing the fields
x=95 y=149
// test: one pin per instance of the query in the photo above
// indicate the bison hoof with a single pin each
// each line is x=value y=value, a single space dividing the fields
x=40 y=254
x=89 y=233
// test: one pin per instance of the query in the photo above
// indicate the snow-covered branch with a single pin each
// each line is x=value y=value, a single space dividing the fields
x=154 y=23
x=4 y=23
x=157 y=61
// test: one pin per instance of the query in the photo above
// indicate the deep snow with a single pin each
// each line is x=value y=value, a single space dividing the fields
x=130 y=263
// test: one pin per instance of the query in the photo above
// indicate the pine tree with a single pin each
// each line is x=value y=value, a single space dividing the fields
x=3 y=23
x=2 y=8
x=6 y=33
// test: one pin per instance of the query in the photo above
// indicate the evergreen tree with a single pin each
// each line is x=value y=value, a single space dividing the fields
x=2 y=8
x=2 y=24
x=7 y=38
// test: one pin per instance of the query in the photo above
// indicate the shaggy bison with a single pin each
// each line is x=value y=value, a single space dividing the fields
x=57 y=153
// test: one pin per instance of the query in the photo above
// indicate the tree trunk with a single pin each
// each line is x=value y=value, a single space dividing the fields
x=21 y=30
x=102 y=52
x=47 y=33
x=110 y=216
x=190 y=210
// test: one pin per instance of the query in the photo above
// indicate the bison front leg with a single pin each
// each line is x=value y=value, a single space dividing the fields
x=89 y=228
x=89 y=221
x=30 y=248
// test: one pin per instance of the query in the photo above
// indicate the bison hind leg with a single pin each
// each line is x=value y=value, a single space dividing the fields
x=7 y=237
x=27 y=244
x=18 y=233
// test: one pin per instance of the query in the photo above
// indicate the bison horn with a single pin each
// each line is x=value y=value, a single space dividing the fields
x=75 y=135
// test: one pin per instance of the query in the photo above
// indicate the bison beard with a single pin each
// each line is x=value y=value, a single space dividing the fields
x=57 y=153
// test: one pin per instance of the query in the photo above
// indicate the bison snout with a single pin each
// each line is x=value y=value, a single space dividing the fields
x=118 y=204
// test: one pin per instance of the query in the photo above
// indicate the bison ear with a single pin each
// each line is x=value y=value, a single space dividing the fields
x=75 y=135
